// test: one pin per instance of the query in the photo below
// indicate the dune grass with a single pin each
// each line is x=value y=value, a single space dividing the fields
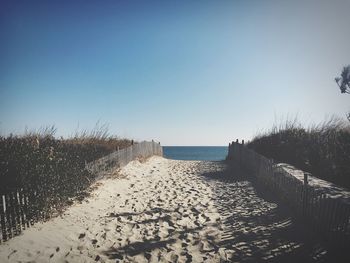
x=323 y=149
x=54 y=167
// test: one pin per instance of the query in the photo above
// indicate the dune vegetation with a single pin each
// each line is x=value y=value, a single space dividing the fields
x=323 y=149
x=39 y=162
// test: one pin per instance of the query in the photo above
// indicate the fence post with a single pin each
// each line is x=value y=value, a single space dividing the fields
x=240 y=153
x=305 y=195
x=2 y=219
x=22 y=207
x=9 y=220
x=306 y=178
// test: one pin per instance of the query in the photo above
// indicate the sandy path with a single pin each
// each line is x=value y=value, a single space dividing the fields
x=165 y=211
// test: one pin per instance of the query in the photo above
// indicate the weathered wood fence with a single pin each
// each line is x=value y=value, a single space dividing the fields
x=327 y=211
x=124 y=156
x=21 y=208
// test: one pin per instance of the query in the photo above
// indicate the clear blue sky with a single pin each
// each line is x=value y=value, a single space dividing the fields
x=180 y=72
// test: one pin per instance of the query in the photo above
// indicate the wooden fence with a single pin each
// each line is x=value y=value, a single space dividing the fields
x=21 y=208
x=326 y=210
x=124 y=156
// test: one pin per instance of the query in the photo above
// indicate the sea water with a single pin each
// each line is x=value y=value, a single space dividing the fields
x=208 y=153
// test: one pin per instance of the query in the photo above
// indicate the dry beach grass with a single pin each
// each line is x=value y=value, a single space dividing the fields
x=323 y=149
x=54 y=167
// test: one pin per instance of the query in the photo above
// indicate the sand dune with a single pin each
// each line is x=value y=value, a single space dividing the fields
x=162 y=211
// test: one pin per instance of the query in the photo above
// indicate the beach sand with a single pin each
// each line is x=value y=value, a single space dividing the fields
x=164 y=210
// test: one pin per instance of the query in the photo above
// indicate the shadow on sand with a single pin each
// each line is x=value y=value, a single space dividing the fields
x=257 y=227
x=253 y=226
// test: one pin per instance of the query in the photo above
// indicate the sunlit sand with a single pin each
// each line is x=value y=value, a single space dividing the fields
x=164 y=210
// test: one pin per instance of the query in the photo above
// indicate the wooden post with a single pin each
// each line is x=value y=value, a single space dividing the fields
x=22 y=204
x=229 y=152
x=16 y=212
x=8 y=215
x=13 y=213
x=2 y=219
x=240 y=153
x=306 y=178
x=26 y=195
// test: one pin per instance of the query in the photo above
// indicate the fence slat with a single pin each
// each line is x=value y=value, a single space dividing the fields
x=2 y=218
x=21 y=207
x=9 y=221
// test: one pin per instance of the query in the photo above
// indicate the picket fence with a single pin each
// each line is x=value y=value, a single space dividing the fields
x=327 y=214
x=21 y=208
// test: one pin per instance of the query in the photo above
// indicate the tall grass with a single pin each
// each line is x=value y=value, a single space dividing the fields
x=99 y=136
x=323 y=149
x=38 y=161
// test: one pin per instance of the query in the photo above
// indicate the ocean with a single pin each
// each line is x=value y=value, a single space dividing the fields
x=208 y=153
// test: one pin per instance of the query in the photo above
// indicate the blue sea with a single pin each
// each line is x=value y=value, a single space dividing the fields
x=208 y=153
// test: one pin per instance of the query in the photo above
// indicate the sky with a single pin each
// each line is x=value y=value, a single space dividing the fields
x=178 y=72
